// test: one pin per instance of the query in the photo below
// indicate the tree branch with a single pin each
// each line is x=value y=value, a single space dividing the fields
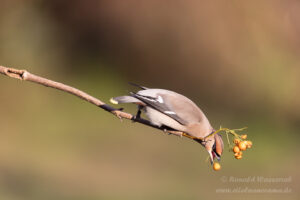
x=26 y=76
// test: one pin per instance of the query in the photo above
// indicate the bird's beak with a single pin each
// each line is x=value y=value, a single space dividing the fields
x=213 y=155
x=216 y=155
x=214 y=148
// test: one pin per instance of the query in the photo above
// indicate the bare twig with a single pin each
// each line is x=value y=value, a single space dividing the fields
x=26 y=76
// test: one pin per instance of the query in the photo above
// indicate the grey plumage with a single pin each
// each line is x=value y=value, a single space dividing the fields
x=124 y=99
x=168 y=108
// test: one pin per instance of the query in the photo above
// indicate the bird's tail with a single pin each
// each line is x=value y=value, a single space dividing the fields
x=124 y=99
x=139 y=86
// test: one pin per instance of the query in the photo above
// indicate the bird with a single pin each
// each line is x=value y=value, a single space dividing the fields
x=166 y=108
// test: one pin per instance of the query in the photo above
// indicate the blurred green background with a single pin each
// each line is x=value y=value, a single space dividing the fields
x=238 y=60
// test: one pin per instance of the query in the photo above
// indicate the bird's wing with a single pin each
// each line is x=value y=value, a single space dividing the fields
x=139 y=86
x=158 y=103
x=184 y=108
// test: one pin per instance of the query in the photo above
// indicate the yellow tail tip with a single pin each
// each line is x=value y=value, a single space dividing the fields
x=113 y=101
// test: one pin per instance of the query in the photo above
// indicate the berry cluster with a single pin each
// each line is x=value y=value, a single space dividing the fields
x=241 y=144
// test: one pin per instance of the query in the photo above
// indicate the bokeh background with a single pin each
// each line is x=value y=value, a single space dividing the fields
x=238 y=60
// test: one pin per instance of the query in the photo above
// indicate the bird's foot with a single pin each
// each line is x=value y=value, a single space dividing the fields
x=135 y=118
x=178 y=133
x=138 y=114
x=117 y=113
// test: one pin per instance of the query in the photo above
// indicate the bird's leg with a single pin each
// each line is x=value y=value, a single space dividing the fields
x=138 y=114
x=178 y=133
x=211 y=157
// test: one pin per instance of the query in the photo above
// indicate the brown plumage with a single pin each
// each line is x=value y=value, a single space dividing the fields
x=170 y=109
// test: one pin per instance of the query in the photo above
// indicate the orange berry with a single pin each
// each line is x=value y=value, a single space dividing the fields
x=236 y=149
x=249 y=144
x=238 y=154
x=243 y=146
x=238 y=157
x=244 y=137
x=216 y=166
x=236 y=141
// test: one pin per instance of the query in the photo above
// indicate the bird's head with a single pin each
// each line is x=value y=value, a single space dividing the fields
x=214 y=145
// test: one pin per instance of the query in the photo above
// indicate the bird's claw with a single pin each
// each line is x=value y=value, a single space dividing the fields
x=134 y=118
x=117 y=113
x=178 y=133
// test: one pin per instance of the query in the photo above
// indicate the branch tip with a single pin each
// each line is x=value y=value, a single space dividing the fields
x=15 y=73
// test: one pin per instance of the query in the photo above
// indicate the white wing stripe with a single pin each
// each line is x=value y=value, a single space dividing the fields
x=160 y=99
x=170 y=112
